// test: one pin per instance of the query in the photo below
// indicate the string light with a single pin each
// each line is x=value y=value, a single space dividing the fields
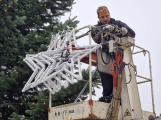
x=9 y=52
x=8 y=105
x=19 y=104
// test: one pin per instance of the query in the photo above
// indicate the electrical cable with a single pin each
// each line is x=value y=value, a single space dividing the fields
x=112 y=57
x=130 y=71
x=88 y=31
x=103 y=60
x=131 y=54
x=129 y=75
x=117 y=64
x=131 y=66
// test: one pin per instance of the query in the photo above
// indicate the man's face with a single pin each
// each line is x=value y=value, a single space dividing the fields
x=104 y=17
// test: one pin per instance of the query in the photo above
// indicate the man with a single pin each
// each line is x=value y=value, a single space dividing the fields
x=104 y=18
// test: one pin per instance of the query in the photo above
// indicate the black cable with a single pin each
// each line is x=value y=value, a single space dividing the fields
x=129 y=75
x=129 y=65
x=130 y=71
x=122 y=67
x=66 y=52
x=103 y=60
x=117 y=65
x=112 y=57
x=88 y=31
x=62 y=53
x=97 y=27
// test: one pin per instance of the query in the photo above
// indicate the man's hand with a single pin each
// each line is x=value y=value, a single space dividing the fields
x=123 y=31
x=110 y=28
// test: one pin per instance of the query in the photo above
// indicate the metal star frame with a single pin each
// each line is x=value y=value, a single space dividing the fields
x=55 y=67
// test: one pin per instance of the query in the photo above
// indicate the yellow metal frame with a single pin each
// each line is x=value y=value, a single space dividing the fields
x=147 y=79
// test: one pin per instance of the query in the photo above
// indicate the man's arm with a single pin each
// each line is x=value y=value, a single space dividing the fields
x=96 y=35
x=130 y=33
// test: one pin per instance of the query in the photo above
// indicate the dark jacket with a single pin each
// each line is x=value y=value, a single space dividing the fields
x=97 y=36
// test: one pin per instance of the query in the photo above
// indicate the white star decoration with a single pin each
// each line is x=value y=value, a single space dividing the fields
x=55 y=67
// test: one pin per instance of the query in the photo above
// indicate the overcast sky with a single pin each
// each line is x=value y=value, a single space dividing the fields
x=144 y=17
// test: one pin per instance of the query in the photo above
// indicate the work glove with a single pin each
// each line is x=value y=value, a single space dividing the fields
x=123 y=31
x=110 y=28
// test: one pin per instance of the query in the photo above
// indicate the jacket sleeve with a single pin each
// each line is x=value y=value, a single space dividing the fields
x=130 y=33
x=96 y=35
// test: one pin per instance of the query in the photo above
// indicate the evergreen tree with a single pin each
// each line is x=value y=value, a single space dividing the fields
x=26 y=28
x=23 y=31
x=37 y=108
